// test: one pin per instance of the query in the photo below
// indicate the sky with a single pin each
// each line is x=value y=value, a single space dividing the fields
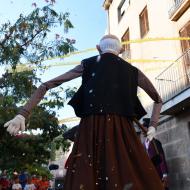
x=89 y=20
x=88 y=17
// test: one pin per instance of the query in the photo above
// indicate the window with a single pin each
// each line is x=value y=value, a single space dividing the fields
x=122 y=7
x=144 y=25
x=126 y=47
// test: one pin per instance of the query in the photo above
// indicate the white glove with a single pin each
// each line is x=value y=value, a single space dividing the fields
x=15 y=125
x=151 y=133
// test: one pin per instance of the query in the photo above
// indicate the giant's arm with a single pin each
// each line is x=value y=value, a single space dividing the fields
x=147 y=86
x=43 y=88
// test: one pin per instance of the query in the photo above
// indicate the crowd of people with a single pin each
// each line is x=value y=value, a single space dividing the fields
x=23 y=181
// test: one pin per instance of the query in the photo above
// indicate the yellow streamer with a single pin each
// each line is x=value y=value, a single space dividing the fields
x=21 y=67
x=67 y=120
x=155 y=39
x=126 y=42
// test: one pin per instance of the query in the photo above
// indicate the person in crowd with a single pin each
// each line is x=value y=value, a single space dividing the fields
x=35 y=181
x=155 y=152
x=16 y=185
x=70 y=135
x=15 y=173
x=29 y=185
x=44 y=183
x=107 y=153
x=4 y=181
x=23 y=178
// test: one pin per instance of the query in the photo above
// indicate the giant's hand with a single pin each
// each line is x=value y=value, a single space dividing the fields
x=151 y=133
x=15 y=125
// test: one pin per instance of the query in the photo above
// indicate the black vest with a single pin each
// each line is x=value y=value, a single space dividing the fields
x=109 y=85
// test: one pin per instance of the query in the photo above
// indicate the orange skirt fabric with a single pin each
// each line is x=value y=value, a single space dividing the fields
x=108 y=155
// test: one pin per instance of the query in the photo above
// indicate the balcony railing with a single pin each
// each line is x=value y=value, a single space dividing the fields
x=175 y=78
x=178 y=8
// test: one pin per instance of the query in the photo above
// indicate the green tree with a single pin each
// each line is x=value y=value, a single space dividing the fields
x=27 y=41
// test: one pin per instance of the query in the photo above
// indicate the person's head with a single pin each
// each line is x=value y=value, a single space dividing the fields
x=29 y=180
x=44 y=178
x=110 y=44
x=16 y=179
x=15 y=173
x=4 y=173
x=40 y=177
x=146 y=122
x=33 y=176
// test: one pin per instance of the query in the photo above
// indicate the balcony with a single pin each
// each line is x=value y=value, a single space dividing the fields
x=178 y=8
x=174 y=85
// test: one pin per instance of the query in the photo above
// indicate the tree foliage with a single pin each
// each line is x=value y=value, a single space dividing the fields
x=27 y=41
x=27 y=38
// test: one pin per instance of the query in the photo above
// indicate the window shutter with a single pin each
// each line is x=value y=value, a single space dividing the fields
x=144 y=24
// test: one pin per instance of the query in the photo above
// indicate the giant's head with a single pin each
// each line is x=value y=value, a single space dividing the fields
x=110 y=44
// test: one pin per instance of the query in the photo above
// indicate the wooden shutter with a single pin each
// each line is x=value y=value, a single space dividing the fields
x=144 y=23
x=126 y=38
x=185 y=32
x=185 y=44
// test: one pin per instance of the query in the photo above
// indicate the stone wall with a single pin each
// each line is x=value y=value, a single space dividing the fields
x=174 y=133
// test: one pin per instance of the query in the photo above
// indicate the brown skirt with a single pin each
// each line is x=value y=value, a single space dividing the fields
x=108 y=155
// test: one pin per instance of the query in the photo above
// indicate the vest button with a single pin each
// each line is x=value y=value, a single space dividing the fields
x=90 y=91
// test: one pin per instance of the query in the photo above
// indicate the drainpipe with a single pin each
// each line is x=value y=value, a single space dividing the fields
x=108 y=21
x=106 y=6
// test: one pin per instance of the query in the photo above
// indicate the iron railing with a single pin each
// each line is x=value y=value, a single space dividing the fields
x=175 y=78
x=175 y=6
